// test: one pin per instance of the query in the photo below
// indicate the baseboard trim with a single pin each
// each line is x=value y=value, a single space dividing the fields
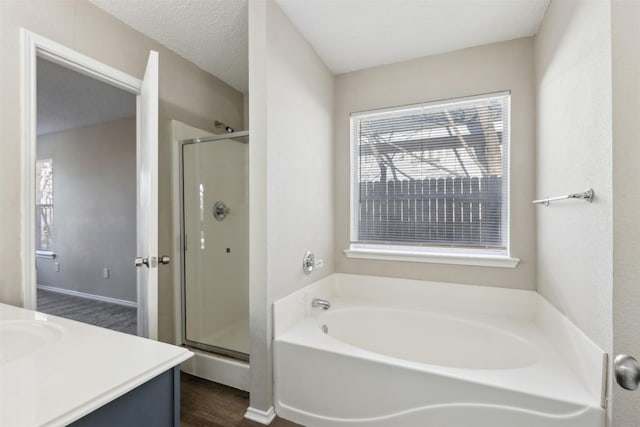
x=89 y=296
x=262 y=417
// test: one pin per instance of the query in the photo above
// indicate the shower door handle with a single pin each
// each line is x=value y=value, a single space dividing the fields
x=164 y=259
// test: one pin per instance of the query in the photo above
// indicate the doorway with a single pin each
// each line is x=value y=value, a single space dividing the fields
x=75 y=229
x=85 y=220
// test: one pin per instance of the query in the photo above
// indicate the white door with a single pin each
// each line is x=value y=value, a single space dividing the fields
x=147 y=210
x=35 y=46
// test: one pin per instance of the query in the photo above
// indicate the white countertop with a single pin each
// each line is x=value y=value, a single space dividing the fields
x=80 y=368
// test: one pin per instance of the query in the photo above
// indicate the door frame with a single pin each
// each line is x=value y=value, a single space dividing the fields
x=34 y=46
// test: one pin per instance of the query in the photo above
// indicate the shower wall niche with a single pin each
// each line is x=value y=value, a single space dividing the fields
x=215 y=243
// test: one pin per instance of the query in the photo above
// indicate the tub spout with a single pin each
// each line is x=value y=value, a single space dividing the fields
x=317 y=302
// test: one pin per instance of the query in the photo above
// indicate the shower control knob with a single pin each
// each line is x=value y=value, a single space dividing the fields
x=627 y=371
x=311 y=263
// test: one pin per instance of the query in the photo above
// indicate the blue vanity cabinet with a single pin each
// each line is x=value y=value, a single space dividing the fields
x=155 y=403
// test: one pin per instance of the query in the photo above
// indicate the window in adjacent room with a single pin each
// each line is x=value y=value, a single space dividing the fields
x=432 y=178
x=44 y=205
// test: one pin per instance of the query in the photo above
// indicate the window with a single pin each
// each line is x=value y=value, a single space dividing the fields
x=44 y=204
x=432 y=178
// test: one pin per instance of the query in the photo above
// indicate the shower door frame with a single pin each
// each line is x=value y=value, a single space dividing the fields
x=181 y=337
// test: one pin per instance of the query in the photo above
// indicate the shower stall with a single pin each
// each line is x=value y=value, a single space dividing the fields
x=214 y=248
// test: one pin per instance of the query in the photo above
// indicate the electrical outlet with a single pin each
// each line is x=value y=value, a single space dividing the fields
x=57 y=266
x=105 y=273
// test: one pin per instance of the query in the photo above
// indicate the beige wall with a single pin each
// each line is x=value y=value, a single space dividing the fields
x=485 y=69
x=573 y=80
x=291 y=183
x=94 y=209
x=187 y=94
x=625 y=16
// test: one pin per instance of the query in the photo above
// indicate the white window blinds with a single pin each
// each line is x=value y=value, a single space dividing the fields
x=432 y=174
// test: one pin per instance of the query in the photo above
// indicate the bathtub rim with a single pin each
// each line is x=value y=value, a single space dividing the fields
x=306 y=335
x=580 y=354
x=482 y=322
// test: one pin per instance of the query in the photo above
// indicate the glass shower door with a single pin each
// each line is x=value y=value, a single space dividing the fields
x=216 y=246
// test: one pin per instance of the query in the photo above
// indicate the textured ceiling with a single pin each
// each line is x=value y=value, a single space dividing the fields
x=356 y=34
x=347 y=34
x=69 y=100
x=213 y=34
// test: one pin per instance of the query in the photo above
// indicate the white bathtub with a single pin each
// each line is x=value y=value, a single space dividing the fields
x=409 y=353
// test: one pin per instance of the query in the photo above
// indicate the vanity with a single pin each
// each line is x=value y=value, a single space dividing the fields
x=57 y=372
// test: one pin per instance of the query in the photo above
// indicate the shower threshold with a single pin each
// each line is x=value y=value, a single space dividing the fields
x=218 y=368
x=231 y=340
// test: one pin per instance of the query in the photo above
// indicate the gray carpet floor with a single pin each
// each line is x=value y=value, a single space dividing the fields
x=98 y=313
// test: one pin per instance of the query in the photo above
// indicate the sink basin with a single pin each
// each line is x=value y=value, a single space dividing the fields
x=20 y=338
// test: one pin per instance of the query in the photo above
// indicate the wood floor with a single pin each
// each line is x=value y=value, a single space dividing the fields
x=111 y=316
x=207 y=404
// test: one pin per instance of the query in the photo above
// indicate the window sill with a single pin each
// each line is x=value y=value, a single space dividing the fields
x=388 y=254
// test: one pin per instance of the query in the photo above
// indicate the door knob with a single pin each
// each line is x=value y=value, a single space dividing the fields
x=164 y=259
x=627 y=371
x=142 y=261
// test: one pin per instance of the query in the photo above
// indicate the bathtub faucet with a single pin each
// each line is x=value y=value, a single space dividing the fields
x=317 y=302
